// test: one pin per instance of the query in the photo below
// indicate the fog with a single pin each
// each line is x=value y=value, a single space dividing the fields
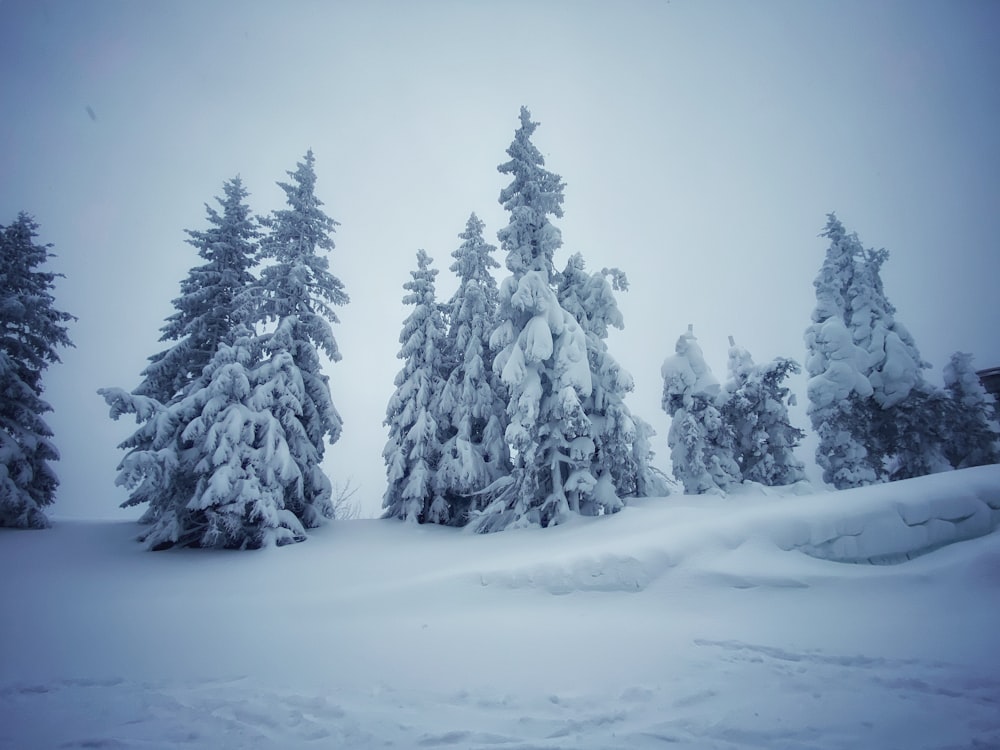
x=702 y=144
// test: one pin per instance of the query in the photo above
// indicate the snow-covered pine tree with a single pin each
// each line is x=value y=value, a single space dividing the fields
x=755 y=405
x=216 y=464
x=621 y=467
x=298 y=291
x=541 y=357
x=211 y=307
x=207 y=311
x=972 y=433
x=471 y=410
x=31 y=329
x=701 y=442
x=838 y=389
x=413 y=450
x=907 y=412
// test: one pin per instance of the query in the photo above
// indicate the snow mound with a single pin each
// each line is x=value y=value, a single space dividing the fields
x=899 y=521
x=739 y=540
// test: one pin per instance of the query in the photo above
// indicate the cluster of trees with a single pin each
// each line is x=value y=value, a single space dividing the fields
x=509 y=409
x=876 y=415
x=31 y=329
x=234 y=415
x=723 y=435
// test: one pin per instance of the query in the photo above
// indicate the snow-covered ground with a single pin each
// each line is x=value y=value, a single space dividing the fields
x=690 y=622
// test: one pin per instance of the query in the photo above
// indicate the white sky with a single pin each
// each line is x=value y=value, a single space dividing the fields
x=702 y=144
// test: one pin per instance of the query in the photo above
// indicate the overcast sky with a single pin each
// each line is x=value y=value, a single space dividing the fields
x=702 y=144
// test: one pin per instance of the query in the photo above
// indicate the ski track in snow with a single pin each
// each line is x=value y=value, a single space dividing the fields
x=826 y=702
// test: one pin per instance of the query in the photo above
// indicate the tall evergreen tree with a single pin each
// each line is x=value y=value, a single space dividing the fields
x=413 y=450
x=702 y=445
x=973 y=435
x=838 y=388
x=755 y=405
x=298 y=291
x=896 y=424
x=207 y=310
x=906 y=412
x=472 y=402
x=210 y=308
x=541 y=357
x=31 y=329
x=620 y=468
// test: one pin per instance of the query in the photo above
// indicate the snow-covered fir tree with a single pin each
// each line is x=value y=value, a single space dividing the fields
x=541 y=357
x=471 y=410
x=31 y=329
x=210 y=308
x=216 y=465
x=755 y=405
x=298 y=292
x=973 y=435
x=621 y=459
x=839 y=391
x=907 y=412
x=702 y=445
x=413 y=450
x=228 y=450
x=897 y=426
x=207 y=310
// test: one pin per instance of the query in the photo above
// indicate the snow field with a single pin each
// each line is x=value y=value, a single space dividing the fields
x=689 y=622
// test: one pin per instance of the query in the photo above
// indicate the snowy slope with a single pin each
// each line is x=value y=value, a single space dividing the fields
x=689 y=622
